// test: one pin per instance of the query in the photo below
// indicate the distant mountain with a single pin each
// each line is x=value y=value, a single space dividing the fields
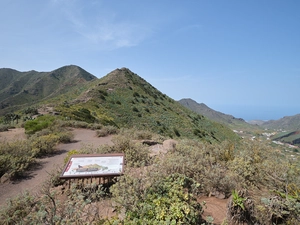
x=23 y=88
x=220 y=117
x=256 y=122
x=291 y=123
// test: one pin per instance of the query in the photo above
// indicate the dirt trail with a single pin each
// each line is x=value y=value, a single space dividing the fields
x=36 y=177
x=215 y=208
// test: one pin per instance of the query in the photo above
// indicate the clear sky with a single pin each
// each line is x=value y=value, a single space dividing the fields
x=239 y=57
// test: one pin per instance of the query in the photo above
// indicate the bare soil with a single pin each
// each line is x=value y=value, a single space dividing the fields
x=216 y=208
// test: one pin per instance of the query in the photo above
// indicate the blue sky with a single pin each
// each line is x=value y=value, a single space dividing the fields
x=238 y=57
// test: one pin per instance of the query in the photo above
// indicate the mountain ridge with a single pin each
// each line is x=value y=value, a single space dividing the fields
x=214 y=115
x=285 y=123
x=72 y=85
x=127 y=100
x=121 y=98
x=19 y=88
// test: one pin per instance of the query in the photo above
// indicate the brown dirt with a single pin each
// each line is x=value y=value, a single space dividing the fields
x=18 y=133
x=215 y=207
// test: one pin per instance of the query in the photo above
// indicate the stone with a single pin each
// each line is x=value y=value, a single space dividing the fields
x=5 y=178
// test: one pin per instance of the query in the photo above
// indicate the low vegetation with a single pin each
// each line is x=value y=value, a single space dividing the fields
x=44 y=133
x=263 y=183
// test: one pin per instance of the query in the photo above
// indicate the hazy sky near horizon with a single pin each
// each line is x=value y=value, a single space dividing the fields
x=238 y=57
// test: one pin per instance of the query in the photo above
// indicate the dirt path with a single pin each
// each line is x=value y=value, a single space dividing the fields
x=215 y=208
x=36 y=177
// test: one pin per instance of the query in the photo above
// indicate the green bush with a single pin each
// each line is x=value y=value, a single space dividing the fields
x=5 y=127
x=136 y=154
x=169 y=201
x=69 y=155
x=15 y=158
x=48 y=208
x=107 y=130
x=38 y=124
x=44 y=145
x=17 y=208
x=65 y=137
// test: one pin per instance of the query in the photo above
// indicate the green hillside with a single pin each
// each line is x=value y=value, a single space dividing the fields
x=126 y=100
x=290 y=123
x=121 y=98
x=228 y=120
x=292 y=138
x=21 y=89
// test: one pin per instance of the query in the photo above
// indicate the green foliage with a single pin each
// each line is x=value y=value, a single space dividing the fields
x=142 y=106
x=65 y=136
x=31 y=88
x=17 y=208
x=18 y=155
x=40 y=123
x=15 y=158
x=161 y=189
x=30 y=111
x=10 y=118
x=44 y=145
x=83 y=114
x=238 y=200
x=280 y=208
x=48 y=208
x=69 y=154
x=4 y=127
x=107 y=130
x=136 y=154
x=168 y=201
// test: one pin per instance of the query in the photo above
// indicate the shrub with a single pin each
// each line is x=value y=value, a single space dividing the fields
x=136 y=154
x=40 y=123
x=168 y=201
x=65 y=137
x=69 y=154
x=17 y=208
x=4 y=127
x=135 y=94
x=135 y=109
x=15 y=158
x=44 y=145
x=138 y=134
x=107 y=130
x=84 y=114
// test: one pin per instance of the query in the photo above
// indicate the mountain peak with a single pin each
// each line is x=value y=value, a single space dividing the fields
x=18 y=88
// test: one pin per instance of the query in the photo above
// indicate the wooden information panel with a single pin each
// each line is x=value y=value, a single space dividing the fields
x=94 y=165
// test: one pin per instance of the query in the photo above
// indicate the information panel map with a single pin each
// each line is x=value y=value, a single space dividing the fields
x=94 y=165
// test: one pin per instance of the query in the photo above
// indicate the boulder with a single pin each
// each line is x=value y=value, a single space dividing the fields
x=5 y=178
x=169 y=145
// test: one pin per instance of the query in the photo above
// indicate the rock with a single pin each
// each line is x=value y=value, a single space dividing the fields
x=170 y=144
x=217 y=194
x=149 y=142
x=5 y=178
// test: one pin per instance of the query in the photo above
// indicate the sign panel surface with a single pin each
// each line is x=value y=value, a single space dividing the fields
x=94 y=165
